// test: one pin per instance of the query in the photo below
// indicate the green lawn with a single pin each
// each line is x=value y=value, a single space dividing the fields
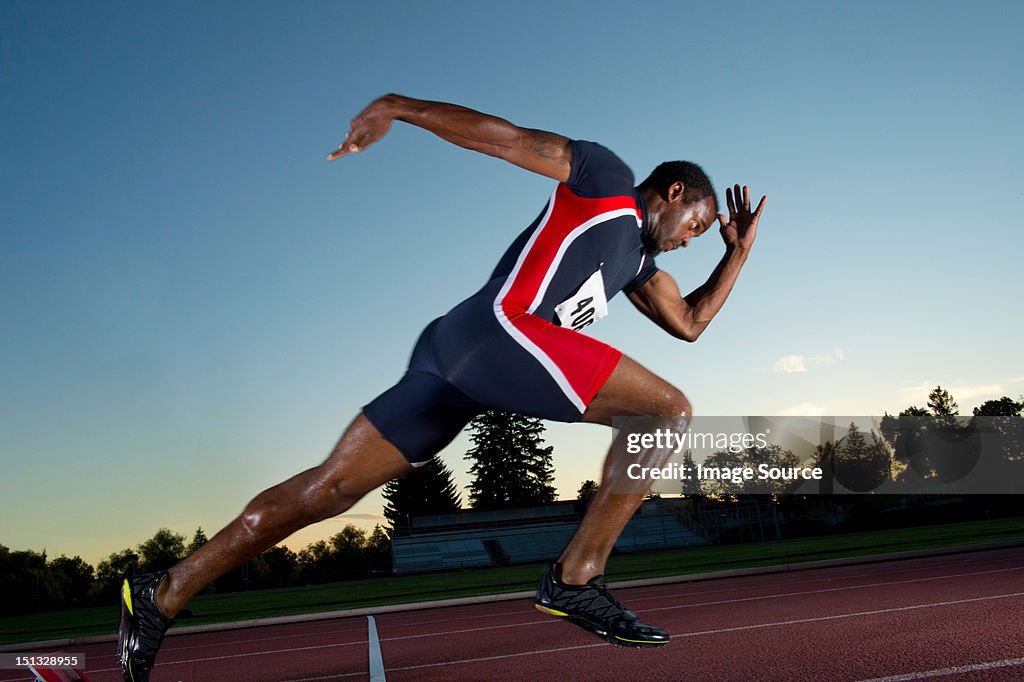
x=400 y=590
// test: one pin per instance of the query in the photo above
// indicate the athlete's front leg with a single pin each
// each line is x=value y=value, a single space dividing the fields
x=574 y=587
x=630 y=391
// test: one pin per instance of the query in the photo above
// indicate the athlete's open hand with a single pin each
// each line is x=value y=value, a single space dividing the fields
x=741 y=228
x=370 y=125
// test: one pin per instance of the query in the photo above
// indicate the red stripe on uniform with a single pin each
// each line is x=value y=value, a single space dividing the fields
x=585 y=362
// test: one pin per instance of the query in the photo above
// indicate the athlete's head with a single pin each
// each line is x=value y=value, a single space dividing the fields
x=681 y=205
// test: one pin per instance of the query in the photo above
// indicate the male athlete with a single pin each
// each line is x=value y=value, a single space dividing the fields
x=514 y=345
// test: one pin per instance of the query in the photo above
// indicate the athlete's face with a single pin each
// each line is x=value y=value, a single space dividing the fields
x=680 y=222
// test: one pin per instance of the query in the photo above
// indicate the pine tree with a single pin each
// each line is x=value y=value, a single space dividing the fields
x=942 y=405
x=587 y=490
x=861 y=466
x=378 y=551
x=511 y=466
x=691 y=486
x=854 y=445
x=427 y=490
x=583 y=496
x=198 y=540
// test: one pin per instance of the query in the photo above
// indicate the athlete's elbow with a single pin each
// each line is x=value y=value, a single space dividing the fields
x=684 y=333
x=690 y=336
x=689 y=330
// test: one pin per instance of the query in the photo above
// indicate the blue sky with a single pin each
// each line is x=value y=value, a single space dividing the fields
x=195 y=303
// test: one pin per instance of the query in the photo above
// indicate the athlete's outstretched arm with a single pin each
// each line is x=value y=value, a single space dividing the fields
x=687 y=317
x=542 y=152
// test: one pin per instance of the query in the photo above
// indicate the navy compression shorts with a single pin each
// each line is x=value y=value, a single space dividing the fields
x=459 y=370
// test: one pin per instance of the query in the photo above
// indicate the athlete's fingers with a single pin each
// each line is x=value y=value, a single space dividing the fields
x=737 y=196
x=728 y=201
x=746 y=198
x=365 y=131
x=722 y=220
x=343 y=149
x=354 y=138
x=760 y=205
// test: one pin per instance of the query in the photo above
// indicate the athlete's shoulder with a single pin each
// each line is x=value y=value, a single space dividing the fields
x=598 y=172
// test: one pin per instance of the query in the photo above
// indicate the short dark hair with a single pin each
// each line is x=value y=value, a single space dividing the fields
x=695 y=180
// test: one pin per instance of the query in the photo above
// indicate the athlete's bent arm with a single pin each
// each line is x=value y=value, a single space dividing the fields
x=548 y=154
x=687 y=317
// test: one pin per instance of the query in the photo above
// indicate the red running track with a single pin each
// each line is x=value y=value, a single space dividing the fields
x=958 y=617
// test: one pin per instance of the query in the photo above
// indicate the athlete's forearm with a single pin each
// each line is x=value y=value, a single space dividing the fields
x=535 y=150
x=707 y=300
x=459 y=125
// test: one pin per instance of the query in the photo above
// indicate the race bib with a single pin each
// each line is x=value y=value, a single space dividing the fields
x=586 y=306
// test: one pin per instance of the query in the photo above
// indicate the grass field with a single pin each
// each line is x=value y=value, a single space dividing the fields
x=410 y=589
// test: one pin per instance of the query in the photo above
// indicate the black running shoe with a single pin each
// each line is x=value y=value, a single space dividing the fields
x=142 y=626
x=593 y=608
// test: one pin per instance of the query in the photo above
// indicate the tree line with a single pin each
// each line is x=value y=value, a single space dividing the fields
x=30 y=581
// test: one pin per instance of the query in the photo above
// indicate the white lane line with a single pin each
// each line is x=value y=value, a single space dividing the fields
x=327 y=677
x=496 y=658
x=854 y=614
x=324 y=630
x=743 y=583
x=376 y=660
x=956 y=670
x=722 y=630
x=821 y=591
x=544 y=621
x=248 y=654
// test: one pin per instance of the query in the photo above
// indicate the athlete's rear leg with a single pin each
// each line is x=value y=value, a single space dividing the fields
x=630 y=391
x=361 y=461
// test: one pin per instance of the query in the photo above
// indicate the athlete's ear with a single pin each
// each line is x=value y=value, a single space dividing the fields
x=675 y=191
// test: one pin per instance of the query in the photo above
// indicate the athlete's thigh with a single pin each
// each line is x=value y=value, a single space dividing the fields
x=633 y=390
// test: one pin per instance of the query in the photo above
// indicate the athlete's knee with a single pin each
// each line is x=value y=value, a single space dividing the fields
x=670 y=412
x=262 y=515
x=294 y=503
x=669 y=401
x=344 y=493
